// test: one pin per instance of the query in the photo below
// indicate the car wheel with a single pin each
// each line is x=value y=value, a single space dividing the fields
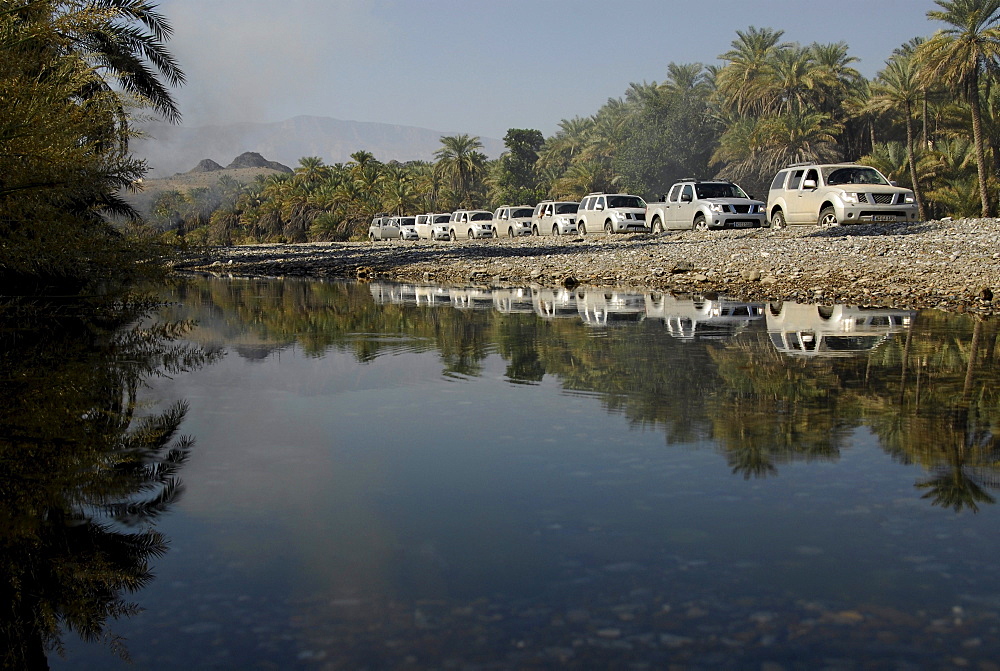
x=778 y=219
x=472 y=236
x=534 y=231
x=700 y=224
x=657 y=226
x=452 y=236
x=371 y=237
x=401 y=236
x=607 y=228
x=510 y=232
x=583 y=228
x=775 y=308
x=828 y=217
x=555 y=229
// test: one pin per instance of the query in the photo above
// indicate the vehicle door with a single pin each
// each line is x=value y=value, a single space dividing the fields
x=670 y=203
x=806 y=207
x=682 y=213
x=390 y=229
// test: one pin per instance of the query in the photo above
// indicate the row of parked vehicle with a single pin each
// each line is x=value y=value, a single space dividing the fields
x=807 y=193
x=793 y=328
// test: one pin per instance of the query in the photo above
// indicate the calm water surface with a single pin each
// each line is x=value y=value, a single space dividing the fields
x=387 y=477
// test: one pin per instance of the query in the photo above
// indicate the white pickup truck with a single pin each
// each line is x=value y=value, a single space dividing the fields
x=704 y=204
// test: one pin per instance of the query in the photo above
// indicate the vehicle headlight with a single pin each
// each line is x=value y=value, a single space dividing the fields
x=909 y=199
x=716 y=207
x=849 y=197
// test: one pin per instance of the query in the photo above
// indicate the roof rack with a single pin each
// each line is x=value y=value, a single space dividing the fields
x=797 y=165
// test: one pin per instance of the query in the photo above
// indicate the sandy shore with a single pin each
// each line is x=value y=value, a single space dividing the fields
x=949 y=265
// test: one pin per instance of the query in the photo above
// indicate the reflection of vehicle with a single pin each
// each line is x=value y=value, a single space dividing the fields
x=598 y=307
x=553 y=303
x=830 y=195
x=839 y=330
x=512 y=221
x=383 y=227
x=471 y=224
x=702 y=205
x=399 y=294
x=554 y=218
x=612 y=212
x=697 y=317
x=471 y=298
x=512 y=299
x=432 y=226
x=432 y=296
x=407 y=228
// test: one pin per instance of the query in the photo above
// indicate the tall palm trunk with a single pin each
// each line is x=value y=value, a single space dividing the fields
x=977 y=136
x=911 y=159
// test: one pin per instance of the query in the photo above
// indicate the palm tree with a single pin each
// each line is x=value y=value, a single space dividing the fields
x=743 y=82
x=461 y=163
x=897 y=87
x=963 y=54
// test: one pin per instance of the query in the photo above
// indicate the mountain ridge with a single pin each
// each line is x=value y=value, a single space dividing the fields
x=170 y=149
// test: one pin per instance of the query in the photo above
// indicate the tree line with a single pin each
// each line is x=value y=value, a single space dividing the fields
x=929 y=120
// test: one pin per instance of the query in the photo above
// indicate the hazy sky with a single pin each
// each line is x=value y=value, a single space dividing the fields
x=481 y=66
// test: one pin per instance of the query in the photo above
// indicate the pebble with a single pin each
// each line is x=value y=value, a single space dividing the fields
x=944 y=264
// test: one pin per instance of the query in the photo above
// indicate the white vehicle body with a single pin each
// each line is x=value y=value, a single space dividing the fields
x=407 y=228
x=432 y=226
x=835 y=194
x=703 y=205
x=554 y=218
x=831 y=331
x=471 y=224
x=513 y=220
x=383 y=227
x=471 y=298
x=612 y=213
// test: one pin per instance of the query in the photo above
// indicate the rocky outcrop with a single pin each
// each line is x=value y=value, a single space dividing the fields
x=205 y=165
x=251 y=159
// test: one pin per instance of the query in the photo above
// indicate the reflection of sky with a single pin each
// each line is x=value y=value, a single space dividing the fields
x=319 y=479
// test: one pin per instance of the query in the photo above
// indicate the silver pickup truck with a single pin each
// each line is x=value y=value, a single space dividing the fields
x=704 y=204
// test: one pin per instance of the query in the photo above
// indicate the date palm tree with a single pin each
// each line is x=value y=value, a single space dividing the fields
x=963 y=54
x=461 y=163
x=744 y=82
x=897 y=87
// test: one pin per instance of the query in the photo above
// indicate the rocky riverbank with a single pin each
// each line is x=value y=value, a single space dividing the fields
x=948 y=265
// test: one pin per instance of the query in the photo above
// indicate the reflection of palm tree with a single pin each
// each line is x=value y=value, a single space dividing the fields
x=83 y=480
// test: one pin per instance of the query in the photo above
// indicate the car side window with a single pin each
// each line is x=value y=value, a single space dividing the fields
x=779 y=180
x=795 y=181
x=675 y=193
x=688 y=192
x=811 y=175
x=599 y=203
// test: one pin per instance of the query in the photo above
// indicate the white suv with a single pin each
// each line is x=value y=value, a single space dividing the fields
x=471 y=224
x=835 y=194
x=554 y=217
x=514 y=220
x=614 y=212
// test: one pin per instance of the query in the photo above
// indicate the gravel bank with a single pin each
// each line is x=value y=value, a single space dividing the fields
x=948 y=265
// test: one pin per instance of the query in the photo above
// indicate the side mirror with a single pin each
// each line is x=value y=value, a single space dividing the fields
x=686 y=198
x=809 y=184
x=599 y=207
x=893 y=183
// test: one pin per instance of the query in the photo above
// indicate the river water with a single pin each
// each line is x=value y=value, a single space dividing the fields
x=384 y=476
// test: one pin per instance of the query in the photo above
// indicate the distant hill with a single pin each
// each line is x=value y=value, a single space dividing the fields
x=172 y=149
x=244 y=168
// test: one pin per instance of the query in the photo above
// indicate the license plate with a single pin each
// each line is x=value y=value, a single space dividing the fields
x=883 y=217
x=744 y=224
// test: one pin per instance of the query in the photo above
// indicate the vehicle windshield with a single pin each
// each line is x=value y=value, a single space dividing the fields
x=521 y=212
x=855 y=175
x=626 y=201
x=719 y=190
x=481 y=216
x=567 y=208
x=442 y=219
x=407 y=221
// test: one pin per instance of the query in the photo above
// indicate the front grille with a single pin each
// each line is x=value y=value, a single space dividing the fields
x=882 y=213
x=741 y=209
x=641 y=216
x=881 y=198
